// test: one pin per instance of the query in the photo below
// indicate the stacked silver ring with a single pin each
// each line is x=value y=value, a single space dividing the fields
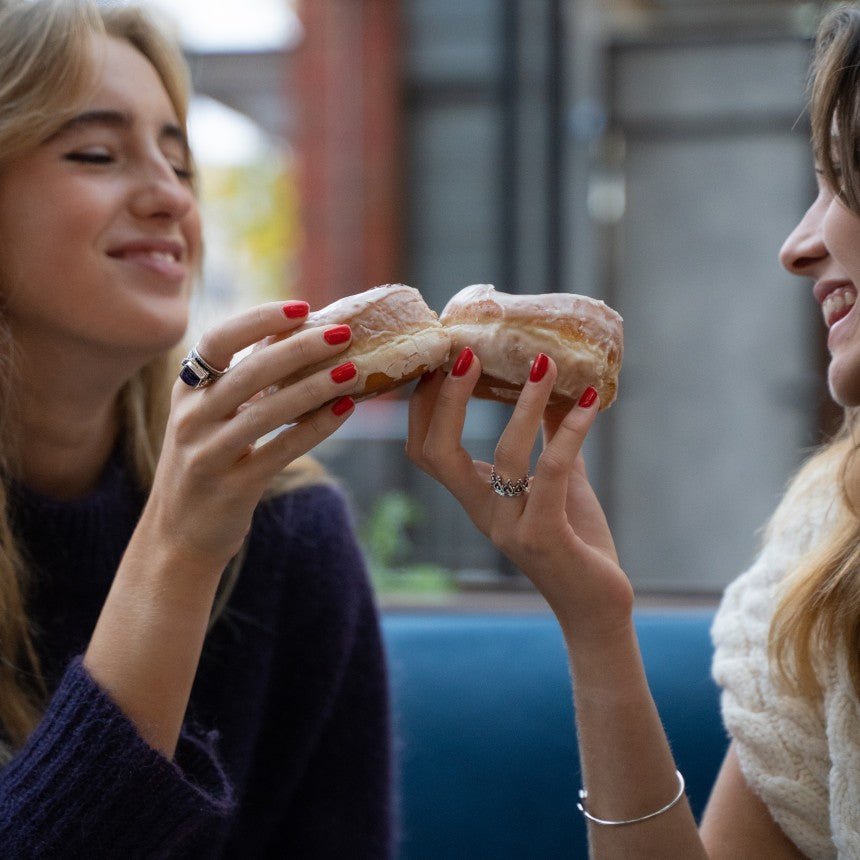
x=196 y=371
x=502 y=487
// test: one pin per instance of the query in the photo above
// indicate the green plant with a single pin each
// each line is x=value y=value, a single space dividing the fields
x=384 y=536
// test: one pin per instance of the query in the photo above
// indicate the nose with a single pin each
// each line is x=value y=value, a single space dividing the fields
x=160 y=193
x=805 y=248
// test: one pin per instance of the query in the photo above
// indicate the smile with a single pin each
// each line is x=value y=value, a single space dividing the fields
x=838 y=304
x=163 y=259
x=141 y=253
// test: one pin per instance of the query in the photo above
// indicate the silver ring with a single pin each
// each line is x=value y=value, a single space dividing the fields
x=196 y=371
x=501 y=487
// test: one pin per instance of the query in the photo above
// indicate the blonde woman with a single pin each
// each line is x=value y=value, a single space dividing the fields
x=788 y=633
x=184 y=669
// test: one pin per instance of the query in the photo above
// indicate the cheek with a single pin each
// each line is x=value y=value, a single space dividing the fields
x=841 y=231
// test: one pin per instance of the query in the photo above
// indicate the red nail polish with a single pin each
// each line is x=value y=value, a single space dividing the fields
x=337 y=334
x=343 y=372
x=463 y=363
x=539 y=367
x=588 y=397
x=295 y=310
x=339 y=407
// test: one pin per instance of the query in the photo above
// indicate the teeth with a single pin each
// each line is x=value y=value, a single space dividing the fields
x=837 y=303
x=162 y=255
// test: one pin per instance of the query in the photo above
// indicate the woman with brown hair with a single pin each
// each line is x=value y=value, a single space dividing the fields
x=788 y=632
x=190 y=659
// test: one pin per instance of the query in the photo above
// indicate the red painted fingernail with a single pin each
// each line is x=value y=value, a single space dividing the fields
x=339 y=407
x=295 y=310
x=343 y=372
x=463 y=363
x=539 y=366
x=337 y=334
x=588 y=397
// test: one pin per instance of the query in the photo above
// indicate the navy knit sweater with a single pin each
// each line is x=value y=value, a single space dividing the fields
x=285 y=750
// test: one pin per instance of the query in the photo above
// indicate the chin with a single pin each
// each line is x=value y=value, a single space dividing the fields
x=844 y=385
x=165 y=330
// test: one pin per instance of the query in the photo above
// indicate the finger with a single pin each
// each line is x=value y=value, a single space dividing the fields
x=287 y=359
x=513 y=451
x=292 y=442
x=219 y=344
x=558 y=459
x=292 y=403
x=422 y=402
x=442 y=454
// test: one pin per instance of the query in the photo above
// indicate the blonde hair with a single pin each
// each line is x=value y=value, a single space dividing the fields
x=44 y=75
x=45 y=72
x=819 y=610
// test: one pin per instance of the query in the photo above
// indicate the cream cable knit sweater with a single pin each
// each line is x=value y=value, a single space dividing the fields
x=802 y=758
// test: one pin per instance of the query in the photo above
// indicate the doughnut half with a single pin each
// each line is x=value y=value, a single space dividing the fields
x=396 y=337
x=582 y=335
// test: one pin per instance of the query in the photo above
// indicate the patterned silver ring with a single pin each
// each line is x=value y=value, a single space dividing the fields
x=196 y=371
x=502 y=487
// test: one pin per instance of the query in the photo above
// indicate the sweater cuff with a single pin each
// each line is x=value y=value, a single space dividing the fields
x=87 y=779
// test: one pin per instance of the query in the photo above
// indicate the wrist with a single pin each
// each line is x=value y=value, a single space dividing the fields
x=601 y=623
x=159 y=546
x=607 y=667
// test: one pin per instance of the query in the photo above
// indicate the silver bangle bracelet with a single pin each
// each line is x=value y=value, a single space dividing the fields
x=583 y=796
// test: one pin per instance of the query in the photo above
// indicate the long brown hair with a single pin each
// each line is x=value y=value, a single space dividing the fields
x=819 y=610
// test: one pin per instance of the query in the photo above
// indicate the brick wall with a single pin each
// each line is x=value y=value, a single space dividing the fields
x=349 y=146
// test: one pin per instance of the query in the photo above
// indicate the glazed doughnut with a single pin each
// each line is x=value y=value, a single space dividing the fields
x=396 y=337
x=582 y=335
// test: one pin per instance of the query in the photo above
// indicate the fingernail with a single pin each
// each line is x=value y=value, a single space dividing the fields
x=339 y=407
x=539 y=366
x=588 y=397
x=337 y=334
x=343 y=372
x=463 y=363
x=295 y=310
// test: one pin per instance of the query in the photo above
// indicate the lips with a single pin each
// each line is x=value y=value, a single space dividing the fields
x=164 y=257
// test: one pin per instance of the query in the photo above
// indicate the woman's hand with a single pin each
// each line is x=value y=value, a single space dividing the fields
x=211 y=474
x=214 y=468
x=556 y=533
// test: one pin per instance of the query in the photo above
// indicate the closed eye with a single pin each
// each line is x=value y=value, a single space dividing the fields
x=182 y=172
x=89 y=157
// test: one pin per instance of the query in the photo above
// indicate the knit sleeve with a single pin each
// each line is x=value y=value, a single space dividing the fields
x=342 y=805
x=87 y=785
x=780 y=738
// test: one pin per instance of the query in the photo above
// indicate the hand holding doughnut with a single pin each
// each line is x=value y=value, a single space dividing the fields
x=225 y=441
x=555 y=533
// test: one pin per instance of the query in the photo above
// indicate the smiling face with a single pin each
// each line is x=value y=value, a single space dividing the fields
x=825 y=246
x=99 y=226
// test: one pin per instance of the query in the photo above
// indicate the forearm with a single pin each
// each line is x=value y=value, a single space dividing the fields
x=627 y=765
x=147 y=643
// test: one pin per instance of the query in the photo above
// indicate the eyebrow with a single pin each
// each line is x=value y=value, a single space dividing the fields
x=118 y=119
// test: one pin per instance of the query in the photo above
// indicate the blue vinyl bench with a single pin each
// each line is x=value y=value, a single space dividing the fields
x=487 y=758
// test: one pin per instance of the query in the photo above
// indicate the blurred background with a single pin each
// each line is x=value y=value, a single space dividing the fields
x=650 y=153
